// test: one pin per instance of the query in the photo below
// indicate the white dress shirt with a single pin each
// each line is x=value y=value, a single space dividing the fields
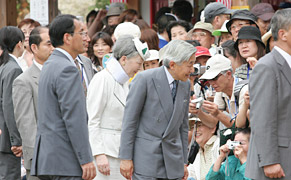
x=286 y=56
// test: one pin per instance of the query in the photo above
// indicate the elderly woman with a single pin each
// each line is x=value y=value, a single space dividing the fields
x=106 y=102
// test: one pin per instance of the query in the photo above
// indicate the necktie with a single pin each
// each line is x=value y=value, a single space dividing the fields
x=82 y=78
x=174 y=89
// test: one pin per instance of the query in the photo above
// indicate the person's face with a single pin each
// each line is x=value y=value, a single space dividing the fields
x=224 y=37
x=244 y=140
x=263 y=25
x=132 y=65
x=236 y=25
x=203 y=133
x=182 y=72
x=203 y=37
x=247 y=48
x=178 y=32
x=202 y=60
x=86 y=38
x=79 y=38
x=112 y=20
x=45 y=48
x=100 y=48
x=151 y=64
x=26 y=29
x=222 y=18
x=220 y=82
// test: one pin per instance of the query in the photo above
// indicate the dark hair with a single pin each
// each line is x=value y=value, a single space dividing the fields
x=228 y=46
x=92 y=13
x=182 y=23
x=183 y=9
x=28 y=21
x=100 y=35
x=109 y=29
x=193 y=42
x=34 y=37
x=151 y=38
x=128 y=15
x=163 y=21
x=142 y=24
x=261 y=50
x=244 y=131
x=61 y=25
x=9 y=37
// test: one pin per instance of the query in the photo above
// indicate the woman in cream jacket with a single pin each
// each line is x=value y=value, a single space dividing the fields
x=106 y=102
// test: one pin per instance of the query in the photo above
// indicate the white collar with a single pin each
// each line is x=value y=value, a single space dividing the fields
x=39 y=66
x=118 y=73
x=169 y=76
x=66 y=54
x=286 y=56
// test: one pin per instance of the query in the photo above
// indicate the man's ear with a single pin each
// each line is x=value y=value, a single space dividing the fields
x=172 y=64
x=33 y=48
x=282 y=35
x=67 y=38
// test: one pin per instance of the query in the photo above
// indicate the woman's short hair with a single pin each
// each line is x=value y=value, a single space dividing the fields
x=124 y=46
x=151 y=38
x=28 y=21
x=182 y=23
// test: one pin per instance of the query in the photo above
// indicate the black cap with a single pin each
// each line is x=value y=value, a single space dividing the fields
x=249 y=32
x=243 y=15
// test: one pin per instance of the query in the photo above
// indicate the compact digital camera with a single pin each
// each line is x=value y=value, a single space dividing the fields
x=198 y=70
x=198 y=101
x=232 y=144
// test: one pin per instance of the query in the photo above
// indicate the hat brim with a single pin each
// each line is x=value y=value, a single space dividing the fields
x=228 y=24
x=266 y=16
x=266 y=37
x=248 y=36
x=210 y=74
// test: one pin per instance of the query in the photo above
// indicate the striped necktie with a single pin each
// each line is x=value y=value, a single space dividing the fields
x=82 y=77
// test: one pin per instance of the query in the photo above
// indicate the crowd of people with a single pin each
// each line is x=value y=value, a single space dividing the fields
x=113 y=98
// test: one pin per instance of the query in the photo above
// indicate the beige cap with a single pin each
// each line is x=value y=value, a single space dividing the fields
x=215 y=65
x=127 y=28
x=267 y=36
x=201 y=25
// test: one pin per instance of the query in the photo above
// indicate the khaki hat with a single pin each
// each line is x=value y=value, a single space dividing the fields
x=216 y=65
x=201 y=25
x=267 y=36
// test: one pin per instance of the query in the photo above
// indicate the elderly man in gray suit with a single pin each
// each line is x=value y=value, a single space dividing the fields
x=62 y=149
x=154 y=134
x=270 y=102
x=25 y=93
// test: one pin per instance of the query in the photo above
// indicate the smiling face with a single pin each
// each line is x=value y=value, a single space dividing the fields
x=151 y=64
x=182 y=72
x=26 y=29
x=131 y=65
x=100 y=48
x=203 y=133
x=247 y=48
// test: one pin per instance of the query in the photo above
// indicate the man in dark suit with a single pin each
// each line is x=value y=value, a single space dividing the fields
x=154 y=135
x=269 y=154
x=62 y=149
x=25 y=94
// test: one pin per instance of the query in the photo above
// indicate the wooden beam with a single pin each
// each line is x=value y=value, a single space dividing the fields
x=53 y=9
x=8 y=13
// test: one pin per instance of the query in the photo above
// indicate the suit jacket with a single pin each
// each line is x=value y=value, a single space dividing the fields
x=270 y=102
x=105 y=104
x=154 y=130
x=88 y=67
x=10 y=135
x=24 y=94
x=62 y=143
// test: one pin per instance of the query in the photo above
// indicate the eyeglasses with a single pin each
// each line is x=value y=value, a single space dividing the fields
x=198 y=34
x=215 y=79
x=238 y=25
x=84 y=34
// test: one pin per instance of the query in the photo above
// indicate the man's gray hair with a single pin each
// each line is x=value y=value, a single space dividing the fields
x=225 y=71
x=124 y=46
x=177 y=51
x=281 y=20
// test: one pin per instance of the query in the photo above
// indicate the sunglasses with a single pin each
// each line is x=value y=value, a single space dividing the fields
x=215 y=79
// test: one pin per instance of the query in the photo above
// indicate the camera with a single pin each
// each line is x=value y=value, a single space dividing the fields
x=219 y=50
x=198 y=101
x=198 y=70
x=232 y=144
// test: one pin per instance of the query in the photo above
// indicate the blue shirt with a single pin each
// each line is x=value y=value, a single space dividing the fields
x=236 y=171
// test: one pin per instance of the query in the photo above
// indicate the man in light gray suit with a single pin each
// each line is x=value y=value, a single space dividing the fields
x=154 y=136
x=270 y=102
x=25 y=93
x=62 y=149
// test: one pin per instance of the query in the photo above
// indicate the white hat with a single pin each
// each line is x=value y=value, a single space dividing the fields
x=219 y=31
x=127 y=28
x=154 y=54
x=215 y=65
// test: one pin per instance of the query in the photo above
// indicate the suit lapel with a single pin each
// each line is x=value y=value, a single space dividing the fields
x=120 y=93
x=87 y=68
x=164 y=92
x=285 y=68
x=35 y=72
x=178 y=112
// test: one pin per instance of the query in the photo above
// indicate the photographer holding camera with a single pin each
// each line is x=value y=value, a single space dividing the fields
x=220 y=76
x=234 y=166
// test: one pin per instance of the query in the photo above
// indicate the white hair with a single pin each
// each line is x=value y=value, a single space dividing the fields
x=177 y=51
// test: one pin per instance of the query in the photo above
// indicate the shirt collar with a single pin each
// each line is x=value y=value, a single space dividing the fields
x=79 y=60
x=286 y=56
x=66 y=54
x=169 y=76
x=39 y=66
x=211 y=140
